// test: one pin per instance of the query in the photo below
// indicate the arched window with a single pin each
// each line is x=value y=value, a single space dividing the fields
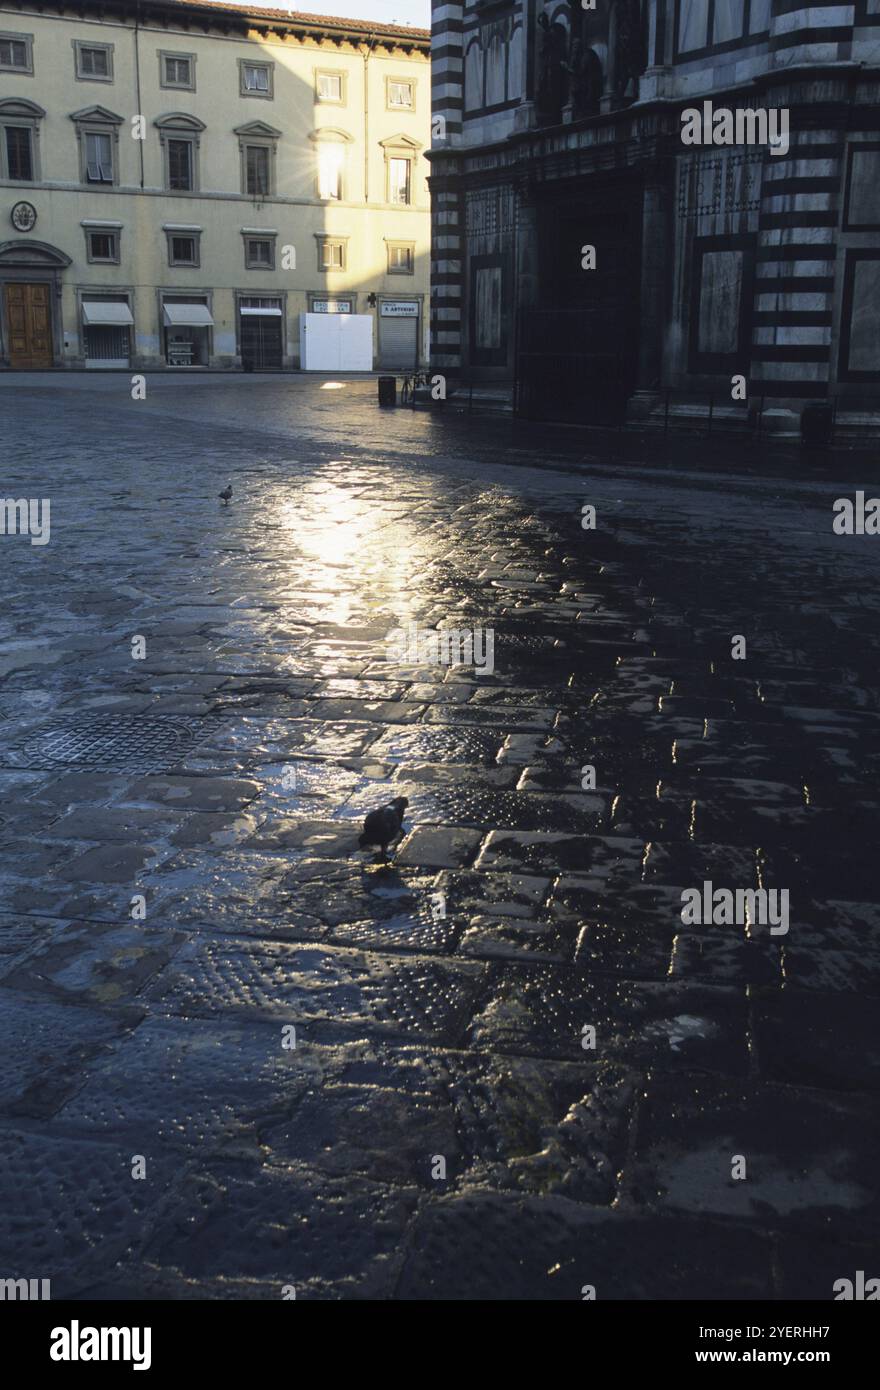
x=473 y=77
x=495 y=65
x=180 y=136
x=20 y=140
x=515 y=75
x=97 y=134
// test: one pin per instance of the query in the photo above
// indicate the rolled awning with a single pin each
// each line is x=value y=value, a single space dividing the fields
x=276 y=313
x=187 y=316
x=106 y=311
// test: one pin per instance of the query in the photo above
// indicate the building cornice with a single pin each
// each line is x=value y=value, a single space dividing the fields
x=244 y=19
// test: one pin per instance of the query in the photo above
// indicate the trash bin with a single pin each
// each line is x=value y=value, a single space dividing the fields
x=816 y=421
x=388 y=390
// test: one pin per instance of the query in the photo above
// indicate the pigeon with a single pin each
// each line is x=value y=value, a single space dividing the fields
x=384 y=825
x=226 y=494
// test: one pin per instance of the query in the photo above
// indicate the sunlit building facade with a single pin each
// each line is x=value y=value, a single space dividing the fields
x=181 y=180
x=561 y=130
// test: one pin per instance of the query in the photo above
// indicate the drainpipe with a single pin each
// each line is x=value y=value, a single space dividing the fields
x=137 y=79
x=371 y=43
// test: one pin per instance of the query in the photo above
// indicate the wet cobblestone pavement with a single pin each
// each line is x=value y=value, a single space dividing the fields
x=225 y=776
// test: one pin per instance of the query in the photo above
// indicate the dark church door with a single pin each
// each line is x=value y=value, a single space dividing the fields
x=578 y=347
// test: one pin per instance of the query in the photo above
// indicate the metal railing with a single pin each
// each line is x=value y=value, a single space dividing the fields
x=854 y=419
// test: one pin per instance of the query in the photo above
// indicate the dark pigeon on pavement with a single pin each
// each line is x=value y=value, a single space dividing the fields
x=384 y=825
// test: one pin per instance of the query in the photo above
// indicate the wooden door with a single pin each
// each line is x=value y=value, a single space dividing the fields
x=29 y=326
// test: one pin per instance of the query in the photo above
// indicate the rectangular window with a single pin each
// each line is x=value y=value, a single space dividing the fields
x=331 y=254
x=400 y=94
x=721 y=296
x=256 y=163
x=256 y=79
x=860 y=342
x=399 y=180
x=330 y=160
x=693 y=22
x=331 y=87
x=177 y=71
x=94 y=61
x=863 y=188
x=183 y=250
x=487 y=308
x=15 y=53
x=103 y=246
x=99 y=158
x=19 y=153
x=180 y=165
x=259 y=253
x=400 y=259
x=727 y=21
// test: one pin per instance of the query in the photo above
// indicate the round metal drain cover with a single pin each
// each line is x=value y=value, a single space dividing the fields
x=115 y=742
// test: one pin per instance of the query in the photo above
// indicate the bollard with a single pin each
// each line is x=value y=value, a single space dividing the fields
x=388 y=390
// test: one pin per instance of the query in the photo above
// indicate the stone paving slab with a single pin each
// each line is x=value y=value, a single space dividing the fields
x=549 y=1249
x=83 y=1210
x=181 y=879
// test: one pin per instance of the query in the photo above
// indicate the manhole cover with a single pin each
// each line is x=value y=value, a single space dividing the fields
x=118 y=742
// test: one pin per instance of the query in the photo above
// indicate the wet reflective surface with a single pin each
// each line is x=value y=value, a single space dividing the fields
x=181 y=879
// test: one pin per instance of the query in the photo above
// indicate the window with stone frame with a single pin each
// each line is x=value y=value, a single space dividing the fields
x=17 y=53
x=256 y=170
x=401 y=257
x=94 y=61
x=259 y=252
x=331 y=253
x=400 y=94
x=330 y=87
x=256 y=79
x=177 y=71
x=20 y=140
x=19 y=153
x=183 y=248
x=102 y=245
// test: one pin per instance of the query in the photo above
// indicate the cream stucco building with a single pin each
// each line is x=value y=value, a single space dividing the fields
x=180 y=181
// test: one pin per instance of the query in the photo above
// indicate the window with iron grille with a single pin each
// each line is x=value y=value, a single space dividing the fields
x=259 y=253
x=183 y=249
x=180 y=165
x=256 y=159
x=19 y=153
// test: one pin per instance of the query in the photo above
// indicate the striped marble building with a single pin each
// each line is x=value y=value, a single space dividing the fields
x=559 y=128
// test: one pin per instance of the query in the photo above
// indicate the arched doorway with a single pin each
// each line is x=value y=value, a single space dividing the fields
x=30 y=288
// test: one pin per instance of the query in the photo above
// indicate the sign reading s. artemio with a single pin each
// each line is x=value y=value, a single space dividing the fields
x=399 y=309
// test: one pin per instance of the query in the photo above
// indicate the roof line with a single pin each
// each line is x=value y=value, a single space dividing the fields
x=295 y=19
